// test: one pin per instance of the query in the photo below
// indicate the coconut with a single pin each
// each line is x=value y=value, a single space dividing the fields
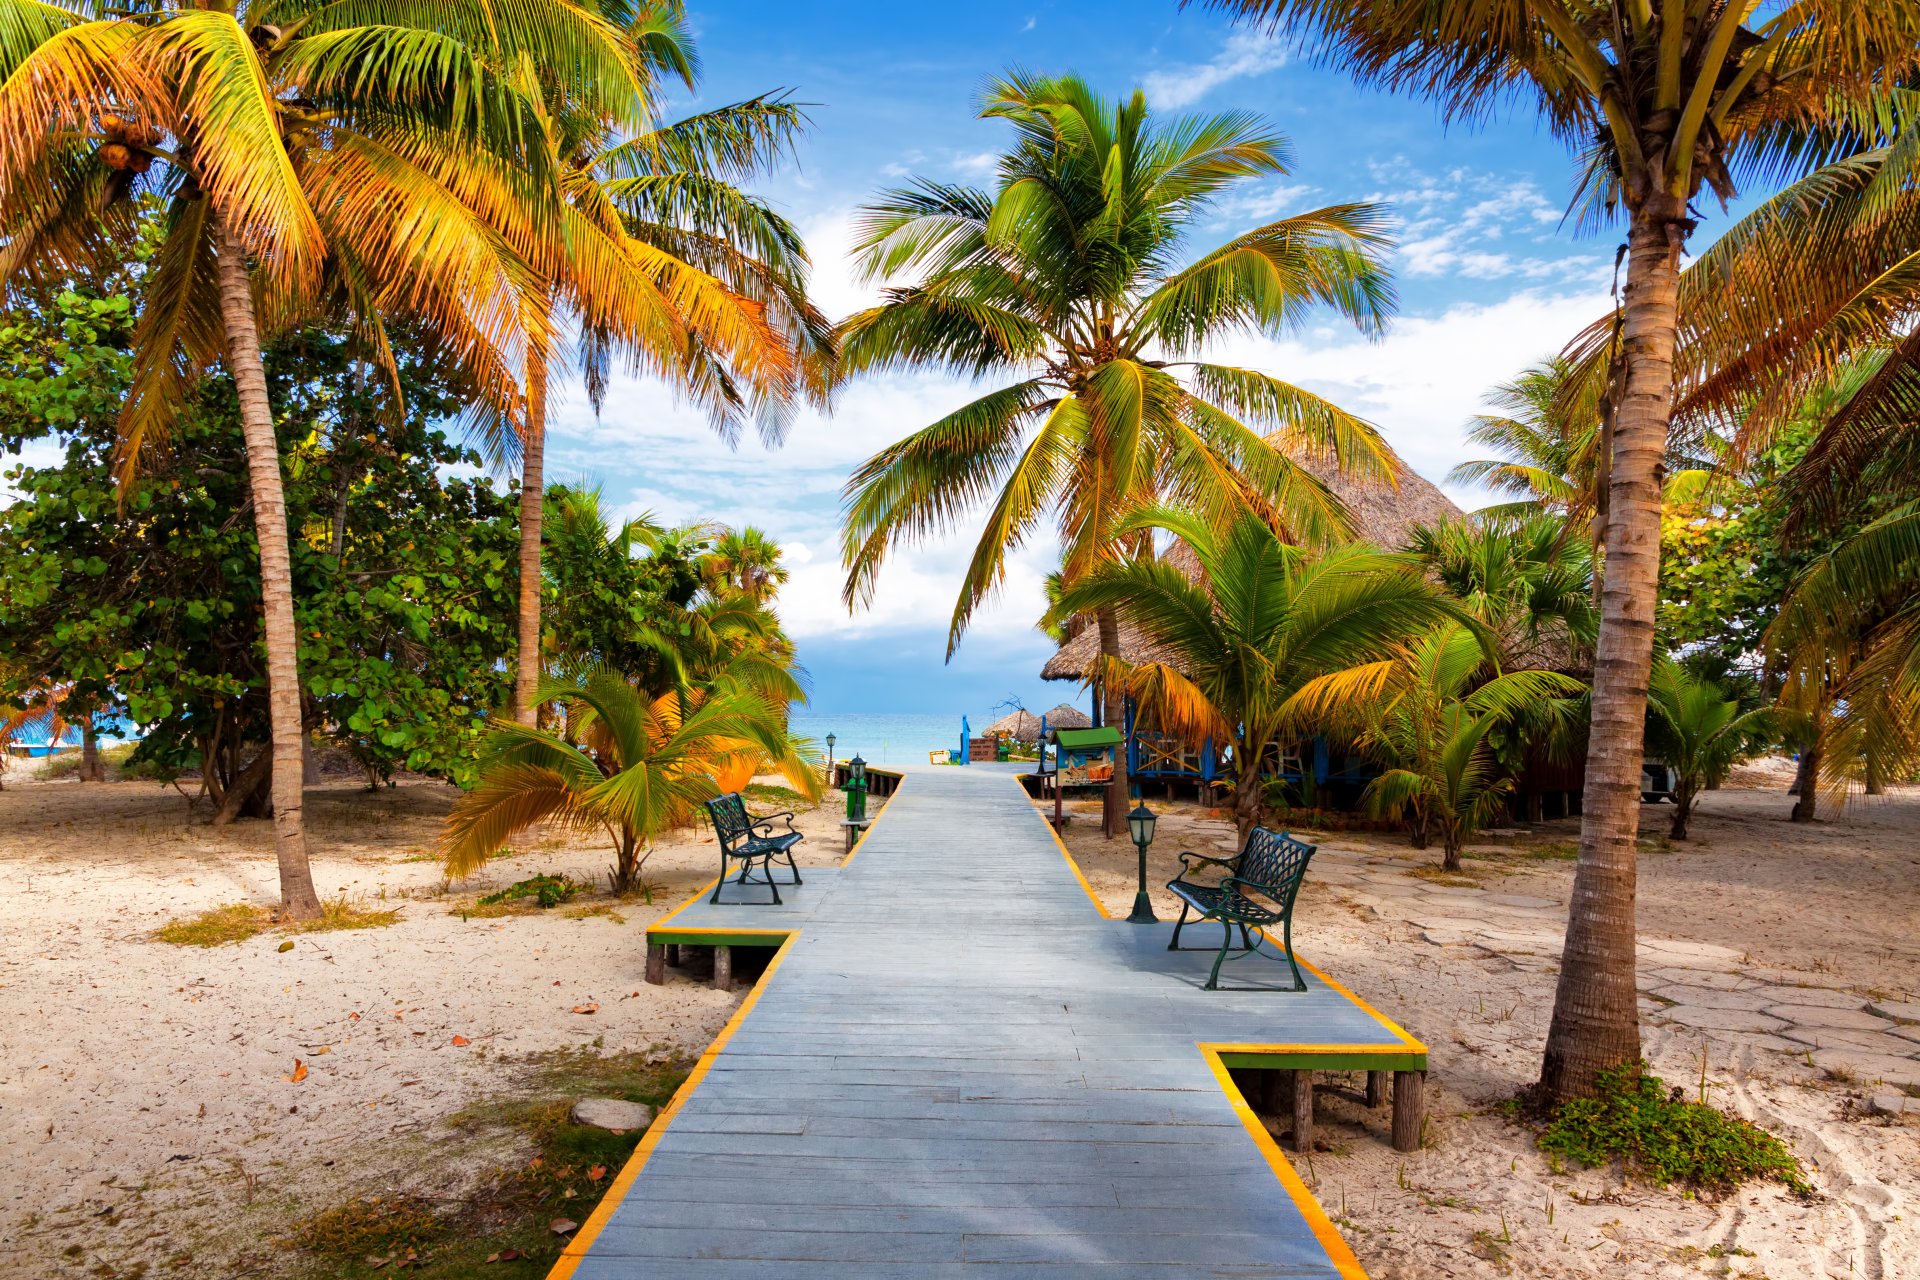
x=116 y=156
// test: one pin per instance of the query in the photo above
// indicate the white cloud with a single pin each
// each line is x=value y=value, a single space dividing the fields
x=1244 y=54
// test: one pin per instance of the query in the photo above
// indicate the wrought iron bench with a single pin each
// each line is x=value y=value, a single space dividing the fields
x=1256 y=889
x=747 y=839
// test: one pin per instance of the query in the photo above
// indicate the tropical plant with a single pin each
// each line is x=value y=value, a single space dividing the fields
x=1546 y=449
x=310 y=156
x=630 y=763
x=1660 y=98
x=1700 y=733
x=670 y=266
x=1267 y=620
x=1524 y=577
x=145 y=596
x=1068 y=278
x=1849 y=634
x=744 y=563
x=1425 y=713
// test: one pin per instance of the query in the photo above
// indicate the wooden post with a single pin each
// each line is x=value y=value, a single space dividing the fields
x=673 y=955
x=1376 y=1088
x=723 y=968
x=1302 y=1110
x=1409 y=1109
x=656 y=963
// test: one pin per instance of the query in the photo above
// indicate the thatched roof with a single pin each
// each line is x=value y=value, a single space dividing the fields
x=1065 y=716
x=1382 y=514
x=1021 y=726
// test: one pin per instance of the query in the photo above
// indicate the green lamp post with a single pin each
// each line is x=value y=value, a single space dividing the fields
x=856 y=790
x=1140 y=825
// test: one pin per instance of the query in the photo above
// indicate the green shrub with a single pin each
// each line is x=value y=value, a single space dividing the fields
x=1660 y=1136
x=549 y=891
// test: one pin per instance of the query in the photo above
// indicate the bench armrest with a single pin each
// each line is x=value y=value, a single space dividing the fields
x=766 y=819
x=1188 y=859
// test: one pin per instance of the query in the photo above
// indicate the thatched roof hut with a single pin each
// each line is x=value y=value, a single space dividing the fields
x=1066 y=716
x=1021 y=726
x=1381 y=513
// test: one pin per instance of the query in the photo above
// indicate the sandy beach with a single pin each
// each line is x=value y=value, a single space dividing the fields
x=148 y=1117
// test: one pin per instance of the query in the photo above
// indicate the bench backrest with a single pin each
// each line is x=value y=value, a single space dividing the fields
x=730 y=820
x=1274 y=861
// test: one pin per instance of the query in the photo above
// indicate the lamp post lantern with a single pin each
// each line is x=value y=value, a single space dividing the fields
x=856 y=790
x=829 y=759
x=1140 y=825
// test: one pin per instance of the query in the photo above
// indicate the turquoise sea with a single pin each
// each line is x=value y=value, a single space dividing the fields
x=882 y=738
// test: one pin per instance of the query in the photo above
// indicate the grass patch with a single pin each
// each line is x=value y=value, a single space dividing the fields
x=771 y=793
x=238 y=921
x=1660 y=1136
x=596 y=909
x=234 y=923
x=1440 y=875
x=536 y=893
x=506 y=1218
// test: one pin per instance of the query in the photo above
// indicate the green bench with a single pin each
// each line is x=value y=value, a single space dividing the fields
x=1255 y=890
x=747 y=839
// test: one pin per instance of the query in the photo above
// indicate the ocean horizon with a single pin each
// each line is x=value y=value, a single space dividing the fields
x=888 y=737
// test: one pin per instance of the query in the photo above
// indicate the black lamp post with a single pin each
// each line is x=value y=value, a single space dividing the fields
x=1140 y=825
x=829 y=759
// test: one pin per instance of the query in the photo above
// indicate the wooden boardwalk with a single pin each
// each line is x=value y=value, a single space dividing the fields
x=956 y=1066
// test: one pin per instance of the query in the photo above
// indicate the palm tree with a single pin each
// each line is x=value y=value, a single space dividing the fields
x=1267 y=620
x=746 y=563
x=1068 y=279
x=1661 y=98
x=1849 y=636
x=1529 y=582
x=1700 y=733
x=1546 y=449
x=631 y=763
x=310 y=155
x=1425 y=713
x=672 y=267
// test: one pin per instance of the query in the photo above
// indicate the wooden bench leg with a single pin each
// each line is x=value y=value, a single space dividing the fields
x=1409 y=1109
x=1302 y=1110
x=656 y=963
x=1376 y=1087
x=723 y=968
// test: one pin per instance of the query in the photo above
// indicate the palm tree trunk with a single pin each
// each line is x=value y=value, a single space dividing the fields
x=1114 y=712
x=1682 y=811
x=533 y=494
x=1596 y=1019
x=287 y=730
x=91 y=769
x=1450 y=848
x=1806 y=784
x=1246 y=796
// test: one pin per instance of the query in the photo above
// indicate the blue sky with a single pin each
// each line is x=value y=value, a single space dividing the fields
x=1489 y=282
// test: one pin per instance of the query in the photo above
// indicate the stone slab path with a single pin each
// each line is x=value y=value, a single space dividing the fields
x=956 y=1066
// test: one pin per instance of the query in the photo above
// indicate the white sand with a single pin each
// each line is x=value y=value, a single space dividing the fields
x=145 y=1110
x=145 y=1113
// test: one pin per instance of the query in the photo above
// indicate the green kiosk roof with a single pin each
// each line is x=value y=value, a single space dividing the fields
x=1078 y=739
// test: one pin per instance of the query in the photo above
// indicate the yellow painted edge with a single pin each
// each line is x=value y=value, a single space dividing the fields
x=1372 y=1012
x=582 y=1241
x=1072 y=866
x=1303 y=1199
x=698 y=894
